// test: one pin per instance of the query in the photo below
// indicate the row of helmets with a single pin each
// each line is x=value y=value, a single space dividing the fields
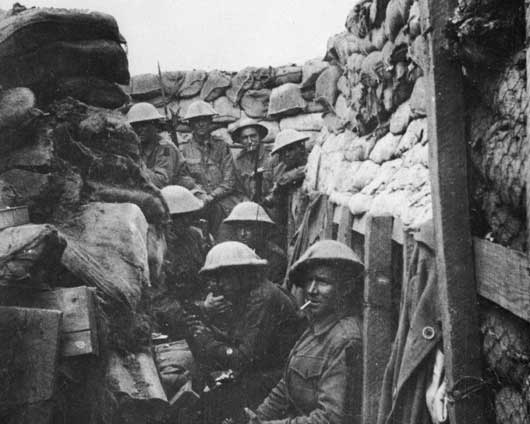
x=143 y=112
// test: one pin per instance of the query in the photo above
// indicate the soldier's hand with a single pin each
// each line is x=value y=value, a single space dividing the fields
x=215 y=304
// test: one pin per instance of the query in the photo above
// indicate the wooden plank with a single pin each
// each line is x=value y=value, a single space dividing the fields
x=328 y=230
x=359 y=226
x=78 y=328
x=454 y=255
x=527 y=14
x=377 y=319
x=503 y=276
x=29 y=348
x=344 y=221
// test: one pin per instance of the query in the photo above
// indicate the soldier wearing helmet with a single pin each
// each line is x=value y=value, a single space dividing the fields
x=286 y=199
x=250 y=224
x=186 y=250
x=165 y=164
x=316 y=383
x=211 y=164
x=254 y=160
x=263 y=326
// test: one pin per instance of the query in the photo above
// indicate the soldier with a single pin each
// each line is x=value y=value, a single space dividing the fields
x=264 y=326
x=165 y=164
x=287 y=200
x=254 y=160
x=316 y=385
x=250 y=224
x=211 y=164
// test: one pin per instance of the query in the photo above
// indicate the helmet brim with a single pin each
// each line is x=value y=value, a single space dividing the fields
x=297 y=272
x=262 y=131
x=277 y=150
x=256 y=263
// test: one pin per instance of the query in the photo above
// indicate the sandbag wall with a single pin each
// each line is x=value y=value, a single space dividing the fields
x=96 y=219
x=280 y=98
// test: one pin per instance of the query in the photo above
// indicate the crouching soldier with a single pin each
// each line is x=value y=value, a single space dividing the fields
x=186 y=249
x=263 y=327
x=250 y=224
x=316 y=385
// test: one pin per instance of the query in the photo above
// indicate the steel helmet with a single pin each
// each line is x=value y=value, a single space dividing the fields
x=180 y=200
x=248 y=212
x=141 y=112
x=231 y=254
x=199 y=108
x=327 y=252
x=243 y=123
x=286 y=138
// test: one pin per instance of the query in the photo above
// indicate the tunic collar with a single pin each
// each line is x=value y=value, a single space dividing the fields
x=322 y=327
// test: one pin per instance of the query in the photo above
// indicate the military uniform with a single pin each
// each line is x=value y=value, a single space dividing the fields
x=245 y=165
x=165 y=164
x=315 y=387
x=211 y=165
x=277 y=259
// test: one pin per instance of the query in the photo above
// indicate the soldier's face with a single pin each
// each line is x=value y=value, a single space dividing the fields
x=248 y=234
x=147 y=131
x=249 y=138
x=291 y=155
x=230 y=283
x=322 y=288
x=201 y=125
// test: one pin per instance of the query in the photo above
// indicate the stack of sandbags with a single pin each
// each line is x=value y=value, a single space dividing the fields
x=60 y=52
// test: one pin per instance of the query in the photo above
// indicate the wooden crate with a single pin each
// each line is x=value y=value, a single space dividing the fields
x=11 y=217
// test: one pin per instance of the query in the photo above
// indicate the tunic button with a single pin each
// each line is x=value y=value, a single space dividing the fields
x=428 y=333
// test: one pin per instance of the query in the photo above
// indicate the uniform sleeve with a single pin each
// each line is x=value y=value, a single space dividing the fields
x=255 y=336
x=275 y=405
x=332 y=396
x=228 y=170
x=163 y=168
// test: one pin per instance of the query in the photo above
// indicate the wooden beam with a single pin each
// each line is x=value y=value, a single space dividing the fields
x=328 y=230
x=527 y=14
x=359 y=226
x=503 y=276
x=377 y=318
x=344 y=221
x=454 y=255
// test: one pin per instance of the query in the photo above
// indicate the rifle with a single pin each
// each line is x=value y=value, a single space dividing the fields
x=168 y=112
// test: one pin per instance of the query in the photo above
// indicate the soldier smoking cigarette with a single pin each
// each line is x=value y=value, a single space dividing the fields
x=305 y=305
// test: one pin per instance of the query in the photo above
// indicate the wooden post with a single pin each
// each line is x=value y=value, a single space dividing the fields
x=527 y=13
x=344 y=230
x=328 y=230
x=454 y=254
x=377 y=319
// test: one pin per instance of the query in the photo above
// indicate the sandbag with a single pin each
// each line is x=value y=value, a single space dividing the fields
x=308 y=122
x=30 y=188
x=314 y=107
x=385 y=149
x=413 y=23
x=378 y=37
x=16 y=105
x=365 y=174
x=343 y=110
x=98 y=58
x=358 y=148
x=192 y=84
x=90 y=90
x=215 y=85
x=397 y=14
x=416 y=134
x=35 y=28
x=284 y=74
x=108 y=131
x=286 y=100
x=418 y=52
x=353 y=68
x=147 y=86
x=228 y=112
x=418 y=99
x=359 y=204
x=255 y=103
x=30 y=254
x=384 y=176
x=326 y=86
x=39 y=154
x=344 y=87
x=343 y=45
x=311 y=70
x=358 y=20
x=244 y=80
x=417 y=155
x=400 y=118
x=333 y=123
x=111 y=239
x=372 y=70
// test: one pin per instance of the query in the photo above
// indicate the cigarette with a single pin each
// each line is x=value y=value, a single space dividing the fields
x=305 y=305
